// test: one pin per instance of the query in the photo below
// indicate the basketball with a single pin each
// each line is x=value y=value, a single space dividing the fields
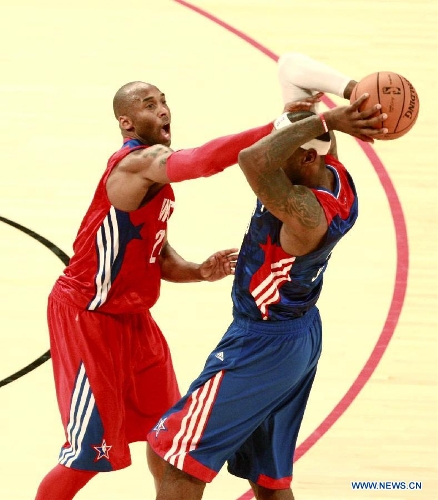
x=397 y=96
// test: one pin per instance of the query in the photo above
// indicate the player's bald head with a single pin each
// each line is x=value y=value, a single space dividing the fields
x=127 y=96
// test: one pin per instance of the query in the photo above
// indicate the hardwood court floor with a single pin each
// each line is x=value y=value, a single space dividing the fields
x=372 y=415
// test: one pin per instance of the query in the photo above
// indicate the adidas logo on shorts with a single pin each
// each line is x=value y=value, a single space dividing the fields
x=220 y=355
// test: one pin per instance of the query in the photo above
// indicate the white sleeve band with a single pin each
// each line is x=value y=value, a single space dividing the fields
x=300 y=76
x=321 y=147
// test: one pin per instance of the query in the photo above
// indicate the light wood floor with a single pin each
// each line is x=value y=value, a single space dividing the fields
x=372 y=415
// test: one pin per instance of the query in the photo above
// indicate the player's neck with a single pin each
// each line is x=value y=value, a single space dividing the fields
x=324 y=177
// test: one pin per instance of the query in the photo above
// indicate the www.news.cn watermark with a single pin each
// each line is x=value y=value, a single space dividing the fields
x=386 y=485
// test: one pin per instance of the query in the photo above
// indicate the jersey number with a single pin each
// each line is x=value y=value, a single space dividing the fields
x=157 y=245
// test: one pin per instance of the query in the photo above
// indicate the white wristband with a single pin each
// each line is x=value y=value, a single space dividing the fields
x=282 y=121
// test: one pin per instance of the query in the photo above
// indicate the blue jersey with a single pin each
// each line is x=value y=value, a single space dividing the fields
x=271 y=284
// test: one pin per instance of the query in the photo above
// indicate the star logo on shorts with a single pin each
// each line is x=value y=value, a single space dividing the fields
x=160 y=426
x=102 y=451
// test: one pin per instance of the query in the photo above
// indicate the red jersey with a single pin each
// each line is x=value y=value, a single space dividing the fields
x=114 y=267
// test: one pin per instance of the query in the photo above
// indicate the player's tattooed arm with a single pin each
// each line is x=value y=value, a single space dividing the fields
x=264 y=166
x=296 y=204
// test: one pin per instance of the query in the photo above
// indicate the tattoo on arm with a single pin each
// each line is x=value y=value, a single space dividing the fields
x=303 y=205
x=279 y=146
x=159 y=152
x=267 y=158
x=297 y=202
x=154 y=152
x=163 y=160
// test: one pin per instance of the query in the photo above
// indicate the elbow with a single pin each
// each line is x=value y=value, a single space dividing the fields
x=243 y=158
x=288 y=65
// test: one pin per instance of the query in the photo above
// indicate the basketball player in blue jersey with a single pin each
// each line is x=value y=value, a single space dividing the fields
x=247 y=405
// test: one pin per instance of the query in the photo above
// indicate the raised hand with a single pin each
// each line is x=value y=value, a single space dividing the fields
x=219 y=265
x=365 y=125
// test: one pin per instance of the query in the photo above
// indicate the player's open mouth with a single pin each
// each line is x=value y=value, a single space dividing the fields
x=165 y=131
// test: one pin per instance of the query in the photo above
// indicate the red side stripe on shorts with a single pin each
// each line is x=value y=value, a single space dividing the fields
x=194 y=422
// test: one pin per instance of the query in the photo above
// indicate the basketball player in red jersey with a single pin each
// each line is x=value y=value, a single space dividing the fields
x=112 y=367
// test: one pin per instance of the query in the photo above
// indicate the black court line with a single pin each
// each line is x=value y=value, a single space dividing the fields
x=65 y=259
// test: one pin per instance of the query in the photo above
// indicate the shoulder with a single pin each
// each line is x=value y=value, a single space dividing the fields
x=142 y=158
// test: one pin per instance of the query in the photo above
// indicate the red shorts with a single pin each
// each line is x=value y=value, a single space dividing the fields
x=114 y=378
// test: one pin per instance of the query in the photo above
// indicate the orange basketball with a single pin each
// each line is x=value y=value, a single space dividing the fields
x=397 y=96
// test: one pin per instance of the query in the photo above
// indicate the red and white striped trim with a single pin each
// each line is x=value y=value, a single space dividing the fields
x=194 y=422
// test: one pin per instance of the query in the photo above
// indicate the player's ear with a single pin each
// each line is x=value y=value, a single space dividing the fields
x=309 y=156
x=125 y=122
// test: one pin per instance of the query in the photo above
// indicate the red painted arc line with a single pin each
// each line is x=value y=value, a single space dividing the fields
x=401 y=277
x=229 y=28
x=398 y=296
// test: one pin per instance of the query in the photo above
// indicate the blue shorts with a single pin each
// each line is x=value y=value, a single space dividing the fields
x=246 y=406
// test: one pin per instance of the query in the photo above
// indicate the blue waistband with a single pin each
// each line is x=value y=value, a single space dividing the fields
x=288 y=326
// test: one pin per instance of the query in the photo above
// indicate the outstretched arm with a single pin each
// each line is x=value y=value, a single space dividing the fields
x=176 y=269
x=132 y=178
